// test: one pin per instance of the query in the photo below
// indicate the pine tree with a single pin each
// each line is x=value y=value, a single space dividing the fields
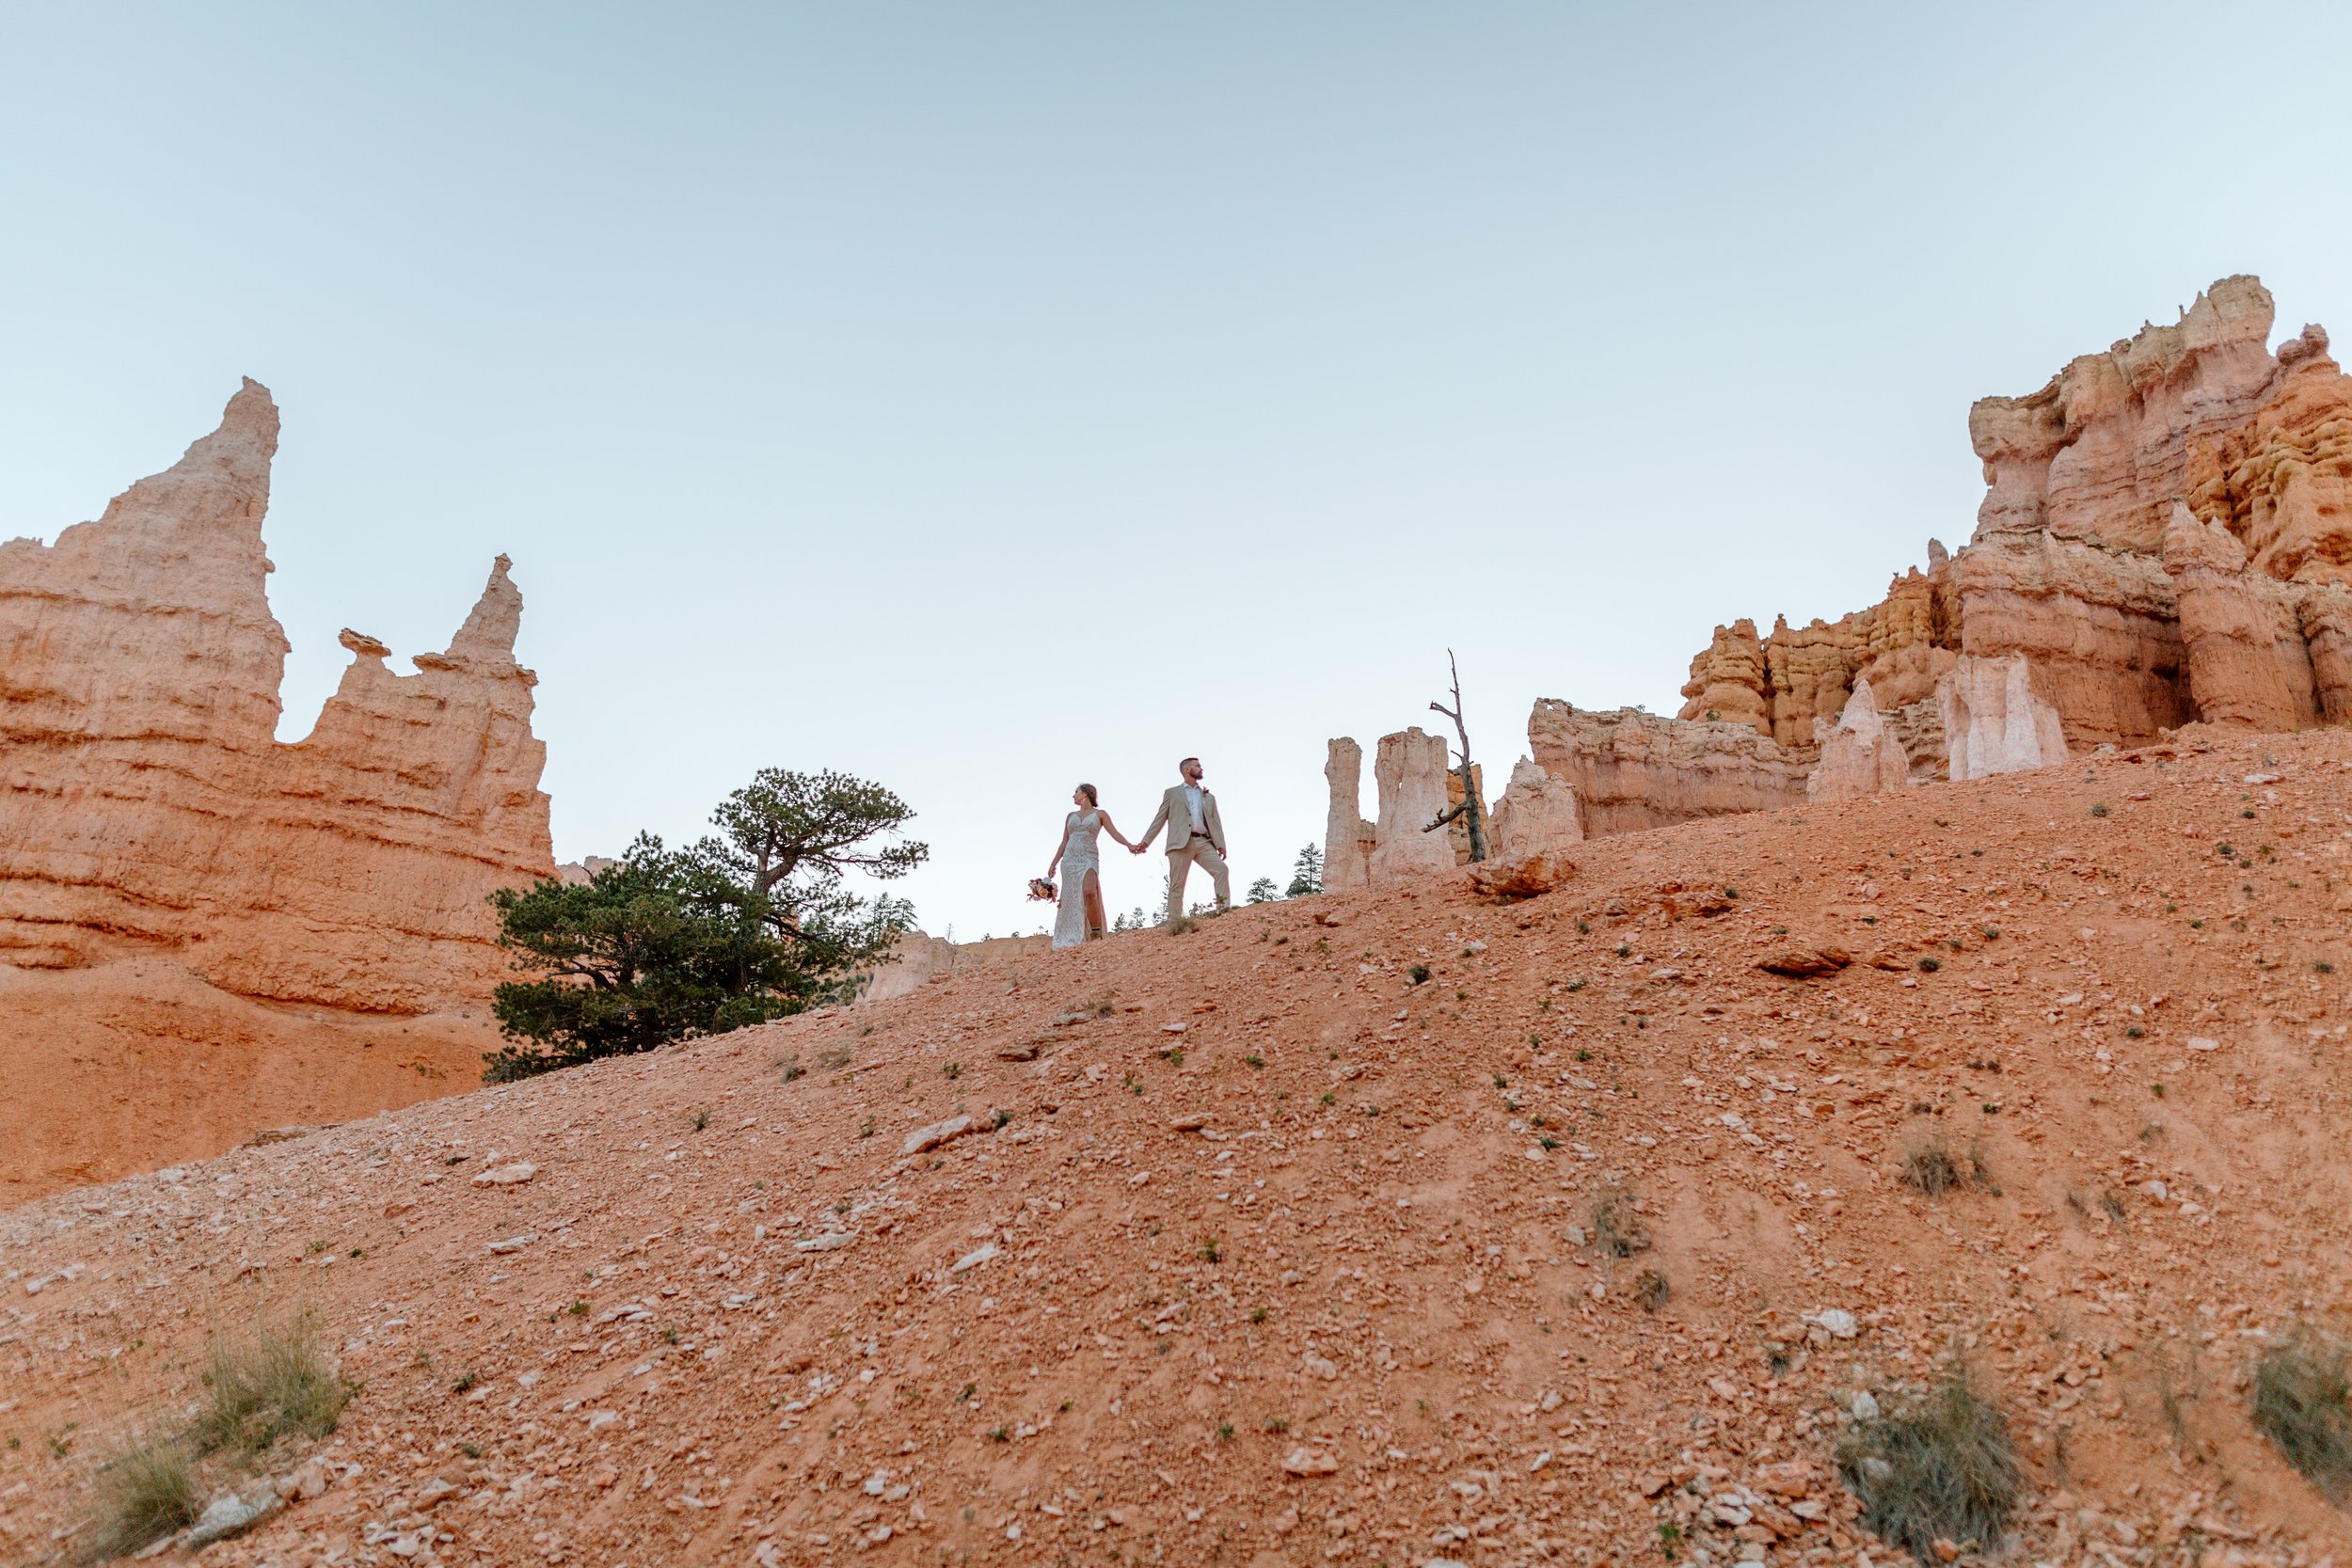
x=1307 y=875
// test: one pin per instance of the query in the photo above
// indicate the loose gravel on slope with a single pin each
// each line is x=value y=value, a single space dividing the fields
x=1255 y=1252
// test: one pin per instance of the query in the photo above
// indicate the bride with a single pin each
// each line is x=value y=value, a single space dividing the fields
x=1079 y=915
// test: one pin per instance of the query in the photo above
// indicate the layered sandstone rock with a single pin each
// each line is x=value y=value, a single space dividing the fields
x=2249 y=667
x=2099 y=453
x=1630 y=770
x=1727 y=682
x=1997 y=719
x=1537 y=814
x=1793 y=684
x=2282 y=481
x=1347 y=838
x=2132 y=622
x=147 y=807
x=2100 y=624
x=2327 y=617
x=1409 y=770
x=917 y=959
x=1861 y=756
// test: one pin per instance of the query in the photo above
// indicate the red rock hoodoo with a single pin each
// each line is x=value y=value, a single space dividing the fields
x=150 y=813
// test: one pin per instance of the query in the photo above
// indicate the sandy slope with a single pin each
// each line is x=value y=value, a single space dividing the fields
x=1356 y=1266
x=128 y=1066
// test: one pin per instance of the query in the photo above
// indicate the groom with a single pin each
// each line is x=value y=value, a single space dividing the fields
x=1188 y=812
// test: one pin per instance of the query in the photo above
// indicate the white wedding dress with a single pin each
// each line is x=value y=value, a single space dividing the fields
x=1078 y=857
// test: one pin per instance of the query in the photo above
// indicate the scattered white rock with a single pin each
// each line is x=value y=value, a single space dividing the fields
x=1840 y=1323
x=229 y=1514
x=507 y=1176
x=936 y=1133
x=973 y=1259
x=1863 y=1406
x=513 y=1244
x=1307 y=1461
x=831 y=1242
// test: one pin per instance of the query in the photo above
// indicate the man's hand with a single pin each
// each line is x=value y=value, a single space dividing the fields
x=1134 y=849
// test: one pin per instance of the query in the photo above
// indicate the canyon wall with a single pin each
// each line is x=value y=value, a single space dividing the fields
x=147 y=808
x=2166 y=537
x=1630 y=770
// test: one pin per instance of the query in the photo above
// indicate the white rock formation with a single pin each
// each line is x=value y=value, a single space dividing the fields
x=1410 y=771
x=1536 y=815
x=1995 y=718
x=1347 y=838
x=1861 y=755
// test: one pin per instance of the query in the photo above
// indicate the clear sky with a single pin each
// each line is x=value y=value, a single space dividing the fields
x=983 y=398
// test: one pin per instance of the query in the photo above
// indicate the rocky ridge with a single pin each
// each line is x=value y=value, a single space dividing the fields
x=1282 y=1242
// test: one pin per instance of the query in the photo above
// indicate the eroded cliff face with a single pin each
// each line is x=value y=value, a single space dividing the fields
x=2166 y=537
x=147 y=807
x=1631 y=769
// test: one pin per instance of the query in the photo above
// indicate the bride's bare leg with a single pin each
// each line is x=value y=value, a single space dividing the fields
x=1096 y=924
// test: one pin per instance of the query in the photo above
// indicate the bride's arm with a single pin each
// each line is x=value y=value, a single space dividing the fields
x=1058 y=849
x=1112 y=828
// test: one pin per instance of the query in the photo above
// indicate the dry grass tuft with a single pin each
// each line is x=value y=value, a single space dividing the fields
x=1942 y=1468
x=1651 y=1290
x=1615 y=1230
x=1931 y=1167
x=2303 y=1403
x=272 y=1382
x=145 y=1490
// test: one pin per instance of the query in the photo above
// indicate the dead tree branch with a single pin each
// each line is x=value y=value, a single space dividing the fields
x=1469 y=808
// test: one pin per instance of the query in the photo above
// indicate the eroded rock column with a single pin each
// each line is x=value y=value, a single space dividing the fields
x=1861 y=755
x=1409 y=770
x=1536 y=815
x=2248 y=666
x=1347 y=838
x=1995 y=718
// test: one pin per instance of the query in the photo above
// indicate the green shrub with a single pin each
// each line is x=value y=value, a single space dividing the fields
x=1943 y=1467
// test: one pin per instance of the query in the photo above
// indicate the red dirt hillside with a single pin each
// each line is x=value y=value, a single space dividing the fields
x=1270 y=1261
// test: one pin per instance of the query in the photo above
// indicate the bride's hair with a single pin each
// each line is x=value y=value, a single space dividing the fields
x=1092 y=799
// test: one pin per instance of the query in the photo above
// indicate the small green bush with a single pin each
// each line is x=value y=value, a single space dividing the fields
x=2303 y=1403
x=1943 y=1467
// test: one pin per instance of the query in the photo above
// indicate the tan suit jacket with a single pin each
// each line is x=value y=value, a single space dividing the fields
x=1175 y=815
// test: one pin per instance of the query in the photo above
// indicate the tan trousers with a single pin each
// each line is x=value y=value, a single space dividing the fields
x=1180 y=862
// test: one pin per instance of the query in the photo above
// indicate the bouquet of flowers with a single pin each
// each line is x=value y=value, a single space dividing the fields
x=1042 y=889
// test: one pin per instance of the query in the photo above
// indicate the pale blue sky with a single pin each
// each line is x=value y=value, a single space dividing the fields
x=985 y=397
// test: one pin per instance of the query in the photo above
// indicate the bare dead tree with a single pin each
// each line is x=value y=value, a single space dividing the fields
x=1469 y=807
